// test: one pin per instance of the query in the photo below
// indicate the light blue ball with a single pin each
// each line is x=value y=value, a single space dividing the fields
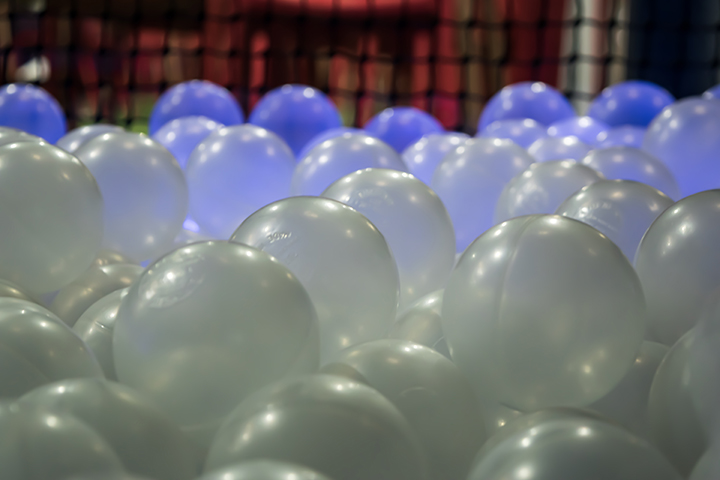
x=400 y=127
x=32 y=110
x=182 y=135
x=523 y=131
x=423 y=156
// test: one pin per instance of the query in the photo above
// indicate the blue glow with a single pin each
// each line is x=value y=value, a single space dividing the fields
x=633 y=102
x=32 y=110
x=400 y=127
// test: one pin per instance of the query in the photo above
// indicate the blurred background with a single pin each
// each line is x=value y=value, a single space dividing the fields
x=108 y=60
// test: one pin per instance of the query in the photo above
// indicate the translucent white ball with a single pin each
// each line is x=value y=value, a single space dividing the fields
x=526 y=321
x=263 y=470
x=340 y=156
x=420 y=323
x=12 y=135
x=621 y=209
x=342 y=260
x=423 y=156
x=431 y=392
x=678 y=265
x=51 y=216
x=675 y=427
x=234 y=172
x=542 y=188
x=469 y=182
x=558 y=148
x=9 y=289
x=147 y=442
x=144 y=191
x=340 y=428
x=36 y=444
x=37 y=348
x=95 y=327
x=627 y=163
x=78 y=137
x=72 y=300
x=109 y=257
x=413 y=220
x=208 y=324
x=708 y=467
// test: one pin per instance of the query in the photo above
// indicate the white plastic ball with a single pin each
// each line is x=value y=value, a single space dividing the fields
x=708 y=467
x=233 y=172
x=420 y=323
x=144 y=191
x=12 y=135
x=263 y=470
x=423 y=156
x=543 y=311
x=78 y=137
x=469 y=182
x=558 y=148
x=342 y=260
x=340 y=156
x=208 y=324
x=542 y=188
x=413 y=220
x=621 y=209
x=51 y=216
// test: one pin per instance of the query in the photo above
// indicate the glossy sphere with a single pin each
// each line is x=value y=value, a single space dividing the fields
x=633 y=102
x=627 y=403
x=145 y=440
x=400 y=127
x=342 y=260
x=432 y=394
x=38 y=348
x=525 y=321
x=420 y=323
x=558 y=148
x=712 y=92
x=109 y=257
x=12 y=135
x=624 y=136
x=51 y=216
x=326 y=135
x=523 y=131
x=423 y=156
x=621 y=209
x=233 y=172
x=10 y=290
x=413 y=221
x=202 y=328
x=542 y=188
x=675 y=427
x=32 y=110
x=586 y=129
x=144 y=191
x=708 y=467
x=703 y=361
x=182 y=135
x=95 y=327
x=78 y=137
x=469 y=181
x=340 y=156
x=263 y=470
x=296 y=113
x=195 y=98
x=335 y=426
x=534 y=100
x=684 y=138
x=90 y=287
x=40 y=445
x=677 y=265
x=627 y=163
x=570 y=447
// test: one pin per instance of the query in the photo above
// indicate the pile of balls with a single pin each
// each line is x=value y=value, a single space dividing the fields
x=290 y=299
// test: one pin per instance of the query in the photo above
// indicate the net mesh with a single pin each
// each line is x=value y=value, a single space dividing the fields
x=108 y=60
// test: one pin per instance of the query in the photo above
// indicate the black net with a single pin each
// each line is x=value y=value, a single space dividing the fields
x=108 y=60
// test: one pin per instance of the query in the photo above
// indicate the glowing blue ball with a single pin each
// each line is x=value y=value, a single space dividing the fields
x=586 y=129
x=195 y=97
x=558 y=148
x=340 y=156
x=400 y=127
x=633 y=102
x=628 y=163
x=521 y=131
x=296 y=113
x=32 y=110
x=423 y=156
x=713 y=92
x=625 y=136
x=182 y=135
x=685 y=138
x=326 y=135
x=535 y=100
x=232 y=173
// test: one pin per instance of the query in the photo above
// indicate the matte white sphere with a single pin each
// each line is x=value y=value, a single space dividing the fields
x=342 y=260
x=144 y=190
x=542 y=311
x=413 y=220
x=51 y=216
x=207 y=325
